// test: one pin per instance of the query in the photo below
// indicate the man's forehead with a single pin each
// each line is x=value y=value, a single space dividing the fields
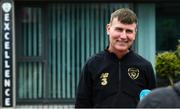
x=120 y=24
x=115 y=20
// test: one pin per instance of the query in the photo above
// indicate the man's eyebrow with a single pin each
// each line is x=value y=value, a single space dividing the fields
x=123 y=29
x=118 y=27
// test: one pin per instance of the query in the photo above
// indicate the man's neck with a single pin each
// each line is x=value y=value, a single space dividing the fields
x=119 y=54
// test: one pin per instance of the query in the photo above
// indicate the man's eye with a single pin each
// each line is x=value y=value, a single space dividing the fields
x=129 y=31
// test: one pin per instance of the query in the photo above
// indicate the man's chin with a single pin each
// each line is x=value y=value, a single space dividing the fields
x=122 y=49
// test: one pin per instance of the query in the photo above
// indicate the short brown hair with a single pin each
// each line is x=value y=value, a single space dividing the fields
x=125 y=15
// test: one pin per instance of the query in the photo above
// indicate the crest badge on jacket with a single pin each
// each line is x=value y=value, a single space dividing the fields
x=133 y=73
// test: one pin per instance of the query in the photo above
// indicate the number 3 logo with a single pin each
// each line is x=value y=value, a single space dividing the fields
x=103 y=78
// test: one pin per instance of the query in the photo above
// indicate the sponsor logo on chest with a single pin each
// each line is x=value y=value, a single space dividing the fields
x=104 y=78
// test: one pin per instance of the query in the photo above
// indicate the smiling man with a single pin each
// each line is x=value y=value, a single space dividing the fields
x=116 y=76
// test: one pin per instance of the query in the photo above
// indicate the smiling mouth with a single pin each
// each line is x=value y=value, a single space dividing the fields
x=122 y=42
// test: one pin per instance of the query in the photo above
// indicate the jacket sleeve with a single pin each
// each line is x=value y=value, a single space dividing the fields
x=84 y=91
x=159 y=98
x=149 y=101
x=151 y=77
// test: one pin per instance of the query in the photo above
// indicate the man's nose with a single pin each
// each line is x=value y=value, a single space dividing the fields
x=123 y=35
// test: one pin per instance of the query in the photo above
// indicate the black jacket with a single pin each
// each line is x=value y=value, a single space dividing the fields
x=165 y=97
x=107 y=81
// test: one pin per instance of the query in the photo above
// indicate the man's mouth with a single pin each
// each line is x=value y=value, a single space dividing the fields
x=122 y=42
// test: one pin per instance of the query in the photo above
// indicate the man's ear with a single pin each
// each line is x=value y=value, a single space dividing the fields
x=107 y=29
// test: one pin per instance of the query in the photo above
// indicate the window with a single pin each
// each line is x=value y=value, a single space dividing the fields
x=30 y=50
x=167 y=24
x=53 y=42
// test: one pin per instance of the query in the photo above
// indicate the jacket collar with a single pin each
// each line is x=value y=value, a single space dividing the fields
x=114 y=56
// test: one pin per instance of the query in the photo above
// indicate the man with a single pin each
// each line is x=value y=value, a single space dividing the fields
x=115 y=76
x=165 y=97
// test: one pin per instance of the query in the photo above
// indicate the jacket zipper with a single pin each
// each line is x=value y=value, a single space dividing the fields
x=119 y=68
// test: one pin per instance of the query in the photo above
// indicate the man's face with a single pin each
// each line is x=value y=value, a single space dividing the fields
x=121 y=36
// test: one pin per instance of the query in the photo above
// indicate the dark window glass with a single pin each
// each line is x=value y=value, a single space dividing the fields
x=167 y=26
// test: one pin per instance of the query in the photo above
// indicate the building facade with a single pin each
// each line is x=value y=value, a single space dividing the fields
x=44 y=44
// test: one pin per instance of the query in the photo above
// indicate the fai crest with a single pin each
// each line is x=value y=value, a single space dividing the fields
x=6 y=7
x=133 y=73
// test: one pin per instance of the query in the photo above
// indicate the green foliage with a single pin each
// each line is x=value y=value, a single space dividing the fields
x=168 y=64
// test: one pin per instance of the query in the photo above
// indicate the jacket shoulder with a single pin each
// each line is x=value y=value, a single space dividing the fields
x=160 y=97
x=96 y=57
x=139 y=59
